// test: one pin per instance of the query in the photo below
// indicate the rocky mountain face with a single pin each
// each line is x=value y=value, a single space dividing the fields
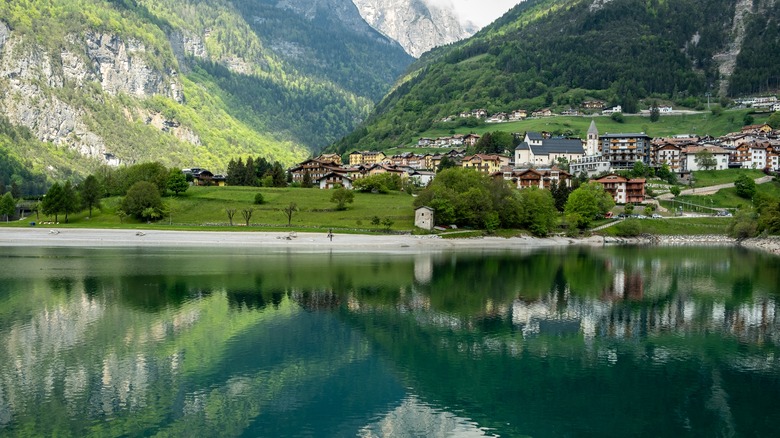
x=186 y=83
x=416 y=25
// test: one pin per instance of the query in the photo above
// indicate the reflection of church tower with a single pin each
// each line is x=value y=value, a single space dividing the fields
x=592 y=144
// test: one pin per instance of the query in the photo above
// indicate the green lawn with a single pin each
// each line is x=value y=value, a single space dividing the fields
x=206 y=207
x=705 y=178
x=679 y=226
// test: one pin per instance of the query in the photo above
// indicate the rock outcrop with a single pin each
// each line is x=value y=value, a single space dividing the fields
x=415 y=24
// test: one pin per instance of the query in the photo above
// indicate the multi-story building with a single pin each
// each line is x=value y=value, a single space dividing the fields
x=366 y=157
x=623 y=190
x=484 y=163
x=623 y=150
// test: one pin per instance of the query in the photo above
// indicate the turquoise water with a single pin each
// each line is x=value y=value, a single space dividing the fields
x=621 y=341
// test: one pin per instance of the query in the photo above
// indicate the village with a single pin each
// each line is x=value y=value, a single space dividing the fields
x=541 y=160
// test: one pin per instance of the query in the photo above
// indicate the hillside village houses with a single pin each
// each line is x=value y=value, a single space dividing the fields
x=536 y=161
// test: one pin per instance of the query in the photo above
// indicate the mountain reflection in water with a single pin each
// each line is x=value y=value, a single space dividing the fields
x=610 y=342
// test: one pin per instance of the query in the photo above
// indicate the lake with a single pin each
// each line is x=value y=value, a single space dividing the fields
x=616 y=341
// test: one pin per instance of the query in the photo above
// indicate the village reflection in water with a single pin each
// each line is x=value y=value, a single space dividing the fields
x=463 y=344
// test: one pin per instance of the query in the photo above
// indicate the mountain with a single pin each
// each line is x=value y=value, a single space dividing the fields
x=185 y=82
x=415 y=24
x=560 y=53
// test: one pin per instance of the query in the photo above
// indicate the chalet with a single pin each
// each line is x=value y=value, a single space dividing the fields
x=541 y=178
x=316 y=169
x=424 y=142
x=471 y=139
x=203 y=177
x=775 y=107
x=570 y=112
x=377 y=169
x=421 y=177
x=333 y=180
x=518 y=114
x=334 y=159
x=756 y=129
x=665 y=109
x=593 y=104
x=624 y=190
x=544 y=112
x=497 y=118
x=613 y=110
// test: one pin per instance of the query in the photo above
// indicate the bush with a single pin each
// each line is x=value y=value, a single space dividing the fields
x=629 y=228
x=259 y=199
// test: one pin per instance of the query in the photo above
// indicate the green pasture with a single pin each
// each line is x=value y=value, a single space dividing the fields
x=202 y=207
x=706 y=178
x=678 y=226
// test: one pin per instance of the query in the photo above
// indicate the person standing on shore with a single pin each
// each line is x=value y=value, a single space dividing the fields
x=330 y=234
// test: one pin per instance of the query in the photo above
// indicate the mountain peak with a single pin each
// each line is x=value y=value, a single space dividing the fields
x=416 y=24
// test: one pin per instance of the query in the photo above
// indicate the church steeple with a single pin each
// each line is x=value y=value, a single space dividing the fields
x=592 y=143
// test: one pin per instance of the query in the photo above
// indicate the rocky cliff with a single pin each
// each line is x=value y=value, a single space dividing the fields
x=415 y=24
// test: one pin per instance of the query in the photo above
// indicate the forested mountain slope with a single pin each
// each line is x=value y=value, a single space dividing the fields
x=560 y=53
x=184 y=82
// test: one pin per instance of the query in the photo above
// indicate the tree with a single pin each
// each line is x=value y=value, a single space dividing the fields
x=705 y=160
x=747 y=120
x=289 y=210
x=618 y=117
x=744 y=224
x=341 y=197
x=91 y=192
x=259 y=199
x=247 y=213
x=143 y=201
x=655 y=113
x=379 y=183
x=278 y=176
x=177 y=181
x=7 y=205
x=745 y=186
x=628 y=208
x=53 y=202
x=675 y=191
x=539 y=214
x=774 y=120
x=446 y=163
x=230 y=213
x=388 y=223
x=70 y=199
x=586 y=204
x=306 y=183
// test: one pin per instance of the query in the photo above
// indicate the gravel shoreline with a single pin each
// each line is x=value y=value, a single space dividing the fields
x=318 y=242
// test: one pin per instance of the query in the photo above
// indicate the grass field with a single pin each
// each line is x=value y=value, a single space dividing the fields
x=705 y=178
x=678 y=226
x=206 y=207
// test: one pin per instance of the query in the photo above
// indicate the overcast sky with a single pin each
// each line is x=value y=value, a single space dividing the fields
x=480 y=12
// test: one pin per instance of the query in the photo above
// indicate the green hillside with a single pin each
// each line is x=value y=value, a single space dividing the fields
x=561 y=53
x=218 y=78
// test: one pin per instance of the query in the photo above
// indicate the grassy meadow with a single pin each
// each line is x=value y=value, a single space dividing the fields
x=205 y=207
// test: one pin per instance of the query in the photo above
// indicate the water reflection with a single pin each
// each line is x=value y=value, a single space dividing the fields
x=142 y=342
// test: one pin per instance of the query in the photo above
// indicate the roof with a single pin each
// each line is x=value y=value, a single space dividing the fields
x=592 y=129
x=625 y=135
x=534 y=136
x=559 y=146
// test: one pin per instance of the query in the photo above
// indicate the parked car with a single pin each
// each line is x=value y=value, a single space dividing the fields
x=657 y=216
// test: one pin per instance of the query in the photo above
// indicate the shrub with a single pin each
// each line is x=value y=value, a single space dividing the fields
x=259 y=199
x=629 y=228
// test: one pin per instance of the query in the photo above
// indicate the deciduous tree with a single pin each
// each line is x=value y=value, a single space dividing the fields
x=341 y=197
x=586 y=204
x=142 y=200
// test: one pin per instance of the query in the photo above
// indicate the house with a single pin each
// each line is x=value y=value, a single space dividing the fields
x=424 y=218
x=756 y=129
x=314 y=167
x=334 y=159
x=518 y=114
x=537 y=150
x=623 y=150
x=471 y=139
x=497 y=118
x=775 y=107
x=593 y=104
x=484 y=163
x=541 y=178
x=377 y=169
x=203 y=177
x=366 y=157
x=665 y=109
x=623 y=190
x=667 y=154
x=592 y=165
x=570 y=112
x=614 y=109
x=421 y=177
x=544 y=112
x=424 y=142
x=689 y=162
x=334 y=180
